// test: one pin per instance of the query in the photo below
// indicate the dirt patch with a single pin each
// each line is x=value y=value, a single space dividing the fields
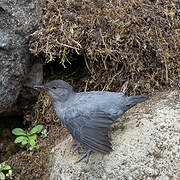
x=34 y=164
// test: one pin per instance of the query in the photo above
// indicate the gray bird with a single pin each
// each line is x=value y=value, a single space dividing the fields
x=87 y=115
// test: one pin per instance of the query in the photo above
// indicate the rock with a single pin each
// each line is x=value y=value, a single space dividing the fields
x=18 y=19
x=147 y=148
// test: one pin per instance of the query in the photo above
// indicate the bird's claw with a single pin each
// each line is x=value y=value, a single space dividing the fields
x=76 y=147
x=85 y=156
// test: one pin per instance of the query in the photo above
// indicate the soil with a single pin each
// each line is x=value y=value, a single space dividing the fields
x=34 y=164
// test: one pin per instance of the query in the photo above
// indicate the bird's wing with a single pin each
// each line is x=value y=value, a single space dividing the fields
x=92 y=131
x=96 y=139
x=101 y=119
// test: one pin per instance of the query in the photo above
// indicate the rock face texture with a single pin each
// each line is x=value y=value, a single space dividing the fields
x=147 y=147
x=18 y=19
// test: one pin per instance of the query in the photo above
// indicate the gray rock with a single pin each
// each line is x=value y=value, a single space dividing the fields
x=147 y=148
x=18 y=19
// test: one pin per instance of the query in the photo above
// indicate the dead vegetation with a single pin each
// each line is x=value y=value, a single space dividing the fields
x=132 y=46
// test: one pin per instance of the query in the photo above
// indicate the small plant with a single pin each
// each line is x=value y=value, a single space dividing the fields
x=5 y=168
x=44 y=133
x=27 y=138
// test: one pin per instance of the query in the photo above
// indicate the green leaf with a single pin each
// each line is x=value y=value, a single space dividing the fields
x=32 y=142
x=22 y=146
x=37 y=129
x=2 y=164
x=31 y=148
x=2 y=176
x=24 y=142
x=6 y=167
x=20 y=139
x=9 y=173
x=33 y=137
x=19 y=132
x=44 y=133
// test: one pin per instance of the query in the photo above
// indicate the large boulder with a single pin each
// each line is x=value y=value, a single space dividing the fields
x=147 y=147
x=18 y=69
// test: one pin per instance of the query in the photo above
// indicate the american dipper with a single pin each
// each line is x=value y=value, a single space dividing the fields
x=87 y=115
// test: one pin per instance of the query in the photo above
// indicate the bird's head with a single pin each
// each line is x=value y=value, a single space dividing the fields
x=59 y=90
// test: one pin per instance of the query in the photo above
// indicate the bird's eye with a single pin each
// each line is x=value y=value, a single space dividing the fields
x=53 y=87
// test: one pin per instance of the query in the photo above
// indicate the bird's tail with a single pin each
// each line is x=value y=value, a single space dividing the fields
x=133 y=100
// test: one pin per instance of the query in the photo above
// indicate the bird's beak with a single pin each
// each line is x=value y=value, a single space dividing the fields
x=39 y=87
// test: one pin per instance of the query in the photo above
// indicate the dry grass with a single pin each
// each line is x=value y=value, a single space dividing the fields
x=127 y=45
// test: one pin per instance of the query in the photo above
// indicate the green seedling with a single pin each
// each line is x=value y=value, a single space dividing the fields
x=5 y=170
x=44 y=133
x=27 y=139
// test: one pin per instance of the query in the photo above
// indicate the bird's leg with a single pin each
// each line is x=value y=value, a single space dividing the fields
x=77 y=146
x=85 y=156
x=74 y=143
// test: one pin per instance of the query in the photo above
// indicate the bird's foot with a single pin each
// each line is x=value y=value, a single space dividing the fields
x=77 y=146
x=85 y=156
